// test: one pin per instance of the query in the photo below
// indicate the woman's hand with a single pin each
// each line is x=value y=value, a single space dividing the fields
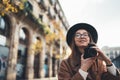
x=86 y=63
x=103 y=56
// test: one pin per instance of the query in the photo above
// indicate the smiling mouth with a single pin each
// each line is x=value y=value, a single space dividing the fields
x=82 y=41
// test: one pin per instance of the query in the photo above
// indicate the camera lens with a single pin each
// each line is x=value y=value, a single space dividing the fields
x=92 y=52
x=89 y=52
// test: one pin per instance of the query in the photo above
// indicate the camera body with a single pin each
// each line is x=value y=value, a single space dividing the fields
x=89 y=51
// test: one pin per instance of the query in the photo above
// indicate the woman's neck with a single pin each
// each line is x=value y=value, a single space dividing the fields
x=81 y=50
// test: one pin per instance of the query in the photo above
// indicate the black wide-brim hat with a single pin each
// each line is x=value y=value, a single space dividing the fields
x=87 y=27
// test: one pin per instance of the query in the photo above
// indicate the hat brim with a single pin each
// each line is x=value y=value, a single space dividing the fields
x=85 y=26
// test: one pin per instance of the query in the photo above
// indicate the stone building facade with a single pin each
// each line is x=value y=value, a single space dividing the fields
x=41 y=21
x=114 y=54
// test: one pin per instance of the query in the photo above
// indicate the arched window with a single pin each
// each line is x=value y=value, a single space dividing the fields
x=4 y=26
x=2 y=23
x=37 y=58
x=22 y=54
x=4 y=44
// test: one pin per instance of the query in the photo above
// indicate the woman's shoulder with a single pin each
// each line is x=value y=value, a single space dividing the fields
x=65 y=62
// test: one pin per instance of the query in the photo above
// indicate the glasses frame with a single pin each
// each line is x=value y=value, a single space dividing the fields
x=78 y=35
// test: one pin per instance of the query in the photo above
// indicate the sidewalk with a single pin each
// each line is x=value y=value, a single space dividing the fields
x=51 y=78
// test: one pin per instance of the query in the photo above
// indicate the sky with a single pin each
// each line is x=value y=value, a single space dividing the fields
x=104 y=15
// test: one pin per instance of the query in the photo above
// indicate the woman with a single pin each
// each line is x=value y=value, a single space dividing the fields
x=77 y=67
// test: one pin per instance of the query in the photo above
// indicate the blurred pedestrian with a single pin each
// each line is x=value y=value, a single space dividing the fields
x=46 y=67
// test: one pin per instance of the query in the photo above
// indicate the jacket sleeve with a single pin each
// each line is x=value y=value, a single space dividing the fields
x=109 y=76
x=65 y=73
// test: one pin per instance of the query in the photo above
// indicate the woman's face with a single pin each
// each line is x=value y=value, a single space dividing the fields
x=81 y=38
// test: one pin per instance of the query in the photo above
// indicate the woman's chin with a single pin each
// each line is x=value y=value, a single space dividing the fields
x=82 y=46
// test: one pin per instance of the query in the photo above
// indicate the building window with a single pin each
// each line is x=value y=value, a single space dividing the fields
x=38 y=1
x=4 y=43
x=22 y=34
x=52 y=2
x=23 y=37
x=28 y=6
x=4 y=30
x=2 y=23
x=44 y=4
x=118 y=52
x=51 y=13
x=41 y=17
x=22 y=54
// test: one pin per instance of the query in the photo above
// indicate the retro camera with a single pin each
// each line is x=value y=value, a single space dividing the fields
x=89 y=51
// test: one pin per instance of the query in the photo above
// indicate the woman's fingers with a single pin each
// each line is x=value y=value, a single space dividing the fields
x=82 y=57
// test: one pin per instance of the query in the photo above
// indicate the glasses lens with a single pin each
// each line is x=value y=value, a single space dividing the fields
x=81 y=35
x=77 y=35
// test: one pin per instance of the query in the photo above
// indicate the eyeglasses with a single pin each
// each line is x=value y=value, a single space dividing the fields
x=78 y=35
